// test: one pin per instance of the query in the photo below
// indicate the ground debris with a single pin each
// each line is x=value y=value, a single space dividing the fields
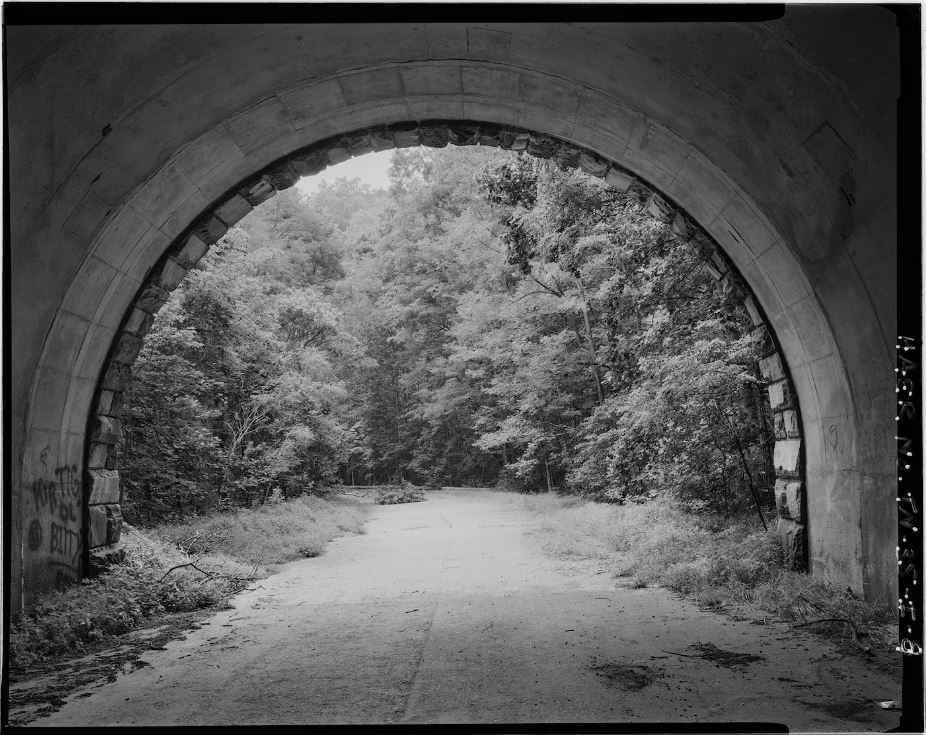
x=634 y=677
x=726 y=659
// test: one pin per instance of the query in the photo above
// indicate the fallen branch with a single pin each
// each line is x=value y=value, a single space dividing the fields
x=180 y=566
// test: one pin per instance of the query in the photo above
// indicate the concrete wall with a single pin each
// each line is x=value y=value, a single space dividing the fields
x=778 y=138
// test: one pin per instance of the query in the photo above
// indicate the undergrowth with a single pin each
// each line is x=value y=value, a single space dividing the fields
x=392 y=495
x=717 y=562
x=176 y=568
x=274 y=533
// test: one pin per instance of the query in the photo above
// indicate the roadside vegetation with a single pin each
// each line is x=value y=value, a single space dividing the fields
x=721 y=562
x=490 y=320
x=176 y=569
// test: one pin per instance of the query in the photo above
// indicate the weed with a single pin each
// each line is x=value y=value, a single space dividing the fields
x=714 y=562
x=176 y=568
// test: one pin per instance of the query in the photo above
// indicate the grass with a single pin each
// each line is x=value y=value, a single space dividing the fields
x=719 y=563
x=176 y=568
x=272 y=534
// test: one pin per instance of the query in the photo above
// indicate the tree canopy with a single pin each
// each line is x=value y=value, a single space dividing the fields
x=490 y=319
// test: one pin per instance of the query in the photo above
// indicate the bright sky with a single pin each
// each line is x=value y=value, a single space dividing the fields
x=370 y=168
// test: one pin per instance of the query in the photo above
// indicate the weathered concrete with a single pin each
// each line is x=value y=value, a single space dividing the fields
x=450 y=611
x=778 y=138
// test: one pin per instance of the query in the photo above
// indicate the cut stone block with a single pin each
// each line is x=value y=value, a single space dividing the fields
x=280 y=176
x=780 y=431
x=256 y=192
x=787 y=457
x=104 y=486
x=681 y=227
x=127 y=348
x=234 y=210
x=567 y=157
x=106 y=430
x=660 y=209
x=793 y=538
x=152 y=298
x=309 y=163
x=405 y=137
x=139 y=322
x=210 y=229
x=541 y=146
x=117 y=377
x=109 y=403
x=356 y=145
x=113 y=524
x=168 y=274
x=771 y=368
x=763 y=340
x=779 y=395
x=712 y=269
x=190 y=252
x=338 y=154
x=97 y=456
x=732 y=286
x=433 y=136
x=754 y=316
x=789 y=499
x=718 y=260
x=112 y=457
x=792 y=429
x=96 y=515
x=103 y=557
x=620 y=180
x=489 y=136
x=593 y=165
x=520 y=142
x=381 y=140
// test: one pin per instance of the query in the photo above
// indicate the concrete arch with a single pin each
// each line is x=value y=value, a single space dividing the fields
x=783 y=158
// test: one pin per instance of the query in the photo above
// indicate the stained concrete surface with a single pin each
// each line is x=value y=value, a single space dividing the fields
x=449 y=611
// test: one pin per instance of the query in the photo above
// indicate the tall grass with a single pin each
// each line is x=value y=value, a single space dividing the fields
x=717 y=562
x=176 y=568
x=272 y=534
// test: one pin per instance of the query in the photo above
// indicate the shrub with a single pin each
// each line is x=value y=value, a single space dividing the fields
x=392 y=495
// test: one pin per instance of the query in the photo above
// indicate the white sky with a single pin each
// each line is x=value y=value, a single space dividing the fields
x=370 y=168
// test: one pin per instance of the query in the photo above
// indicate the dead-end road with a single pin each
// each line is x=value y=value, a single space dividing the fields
x=448 y=611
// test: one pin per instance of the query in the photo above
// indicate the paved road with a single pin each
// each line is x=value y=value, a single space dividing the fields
x=447 y=611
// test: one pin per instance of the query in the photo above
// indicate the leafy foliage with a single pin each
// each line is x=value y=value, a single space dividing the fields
x=491 y=319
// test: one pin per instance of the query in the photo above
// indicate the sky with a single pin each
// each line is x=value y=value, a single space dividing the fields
x=370 y=168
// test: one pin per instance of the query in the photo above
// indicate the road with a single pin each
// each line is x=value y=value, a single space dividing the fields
x=448 y=611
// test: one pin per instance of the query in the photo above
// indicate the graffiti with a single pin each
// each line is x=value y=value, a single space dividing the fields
x=35 y=535
x=58 y=509
x=65 y=542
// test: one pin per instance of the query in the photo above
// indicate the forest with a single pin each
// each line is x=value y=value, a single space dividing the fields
x=489 y=320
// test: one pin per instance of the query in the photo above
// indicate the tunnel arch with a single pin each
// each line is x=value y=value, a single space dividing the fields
x=102 y=492
x=138 y=186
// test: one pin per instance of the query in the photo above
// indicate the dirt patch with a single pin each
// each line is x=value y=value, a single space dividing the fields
x=43 y=689
x=851 y=710
x=727 y=659
x=630 y=677
x=720 y=657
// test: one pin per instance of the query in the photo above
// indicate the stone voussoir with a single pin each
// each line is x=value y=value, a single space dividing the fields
x=190 y=251
x=233 y=210
x=257 y=191
x=787 y=458
x=127 y=348
x=104 y=486
x=210 y=229
x=106 y=430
